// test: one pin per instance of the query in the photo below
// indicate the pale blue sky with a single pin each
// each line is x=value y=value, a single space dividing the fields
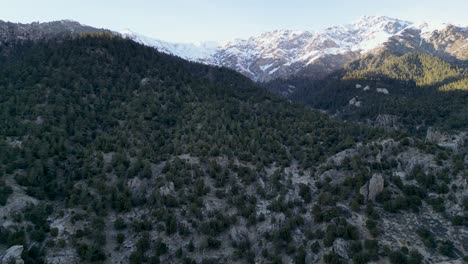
x=197 y=20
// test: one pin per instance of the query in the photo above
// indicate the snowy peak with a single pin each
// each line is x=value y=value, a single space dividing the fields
x=189 y=51
x=365 y=34
x=281 y=53
x=380 y=23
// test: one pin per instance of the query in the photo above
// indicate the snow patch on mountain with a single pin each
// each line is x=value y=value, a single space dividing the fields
x=284 y=52
x=189 y=51
x=427 y=29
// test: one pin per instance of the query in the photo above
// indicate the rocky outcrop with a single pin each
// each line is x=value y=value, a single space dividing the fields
x=167 y=189
x=355 y=101
x=339 y=157
x=371 y=189
x=413 y=157
x=454 y=142
x=387 y=121
x=17 y=201
x=68 y=256
x=335 y=176
x=138 y=186
x=12 y=255
x=341 y=247
x=239 y=234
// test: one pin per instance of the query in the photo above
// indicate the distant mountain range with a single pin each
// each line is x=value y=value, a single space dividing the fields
x=285 y=53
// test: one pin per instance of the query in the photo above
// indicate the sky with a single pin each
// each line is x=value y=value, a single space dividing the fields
x=221 y=20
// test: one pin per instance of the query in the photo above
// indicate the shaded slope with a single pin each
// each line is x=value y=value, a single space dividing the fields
x=419 y=89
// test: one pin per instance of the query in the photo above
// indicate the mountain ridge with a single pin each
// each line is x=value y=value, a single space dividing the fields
x=284 y=53
x=281 y=53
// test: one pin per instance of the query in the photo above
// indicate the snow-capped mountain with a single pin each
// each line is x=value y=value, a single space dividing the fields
x=443 y=40
x=283 y=53
x=202 y=52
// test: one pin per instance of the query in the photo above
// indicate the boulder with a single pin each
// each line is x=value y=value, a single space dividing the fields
x=167 y=189
x=355 y=101
x=382 y=90
x=371 y=189
x=340 y=247
x=12 y=254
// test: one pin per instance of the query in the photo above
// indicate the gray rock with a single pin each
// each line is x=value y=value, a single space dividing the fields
x=336 y=176
x=167 y=189
x=454 y=142
x=68 y=256
x=371 y=189
x=340 y=247
x=413 y=157
x=239 y=234
x=138 y=186
x=387 y=121
x=13 y=253
x=339 y=157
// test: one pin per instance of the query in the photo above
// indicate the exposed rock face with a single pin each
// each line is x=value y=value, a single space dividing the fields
x=447 y=41
x=239 y=234
x=454 y=142
x=68 y=256
x=12 y=254
x=371 y=189
x=167 y=189
x=138 y=186
x=414 y=157
x=335 y=176
x=340 y=247
x=339 y=157
x=17 y=201
x=387 y=121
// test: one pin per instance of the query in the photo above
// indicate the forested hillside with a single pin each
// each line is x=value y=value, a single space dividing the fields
x=419 y=90
x=425 y=70
x=114 y=153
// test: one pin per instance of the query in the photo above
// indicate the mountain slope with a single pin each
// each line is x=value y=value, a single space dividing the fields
x=116 y=153
x=415 y=90
x=423 y=69
x=12 y=32
x=283 y=53
x=445 y=40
